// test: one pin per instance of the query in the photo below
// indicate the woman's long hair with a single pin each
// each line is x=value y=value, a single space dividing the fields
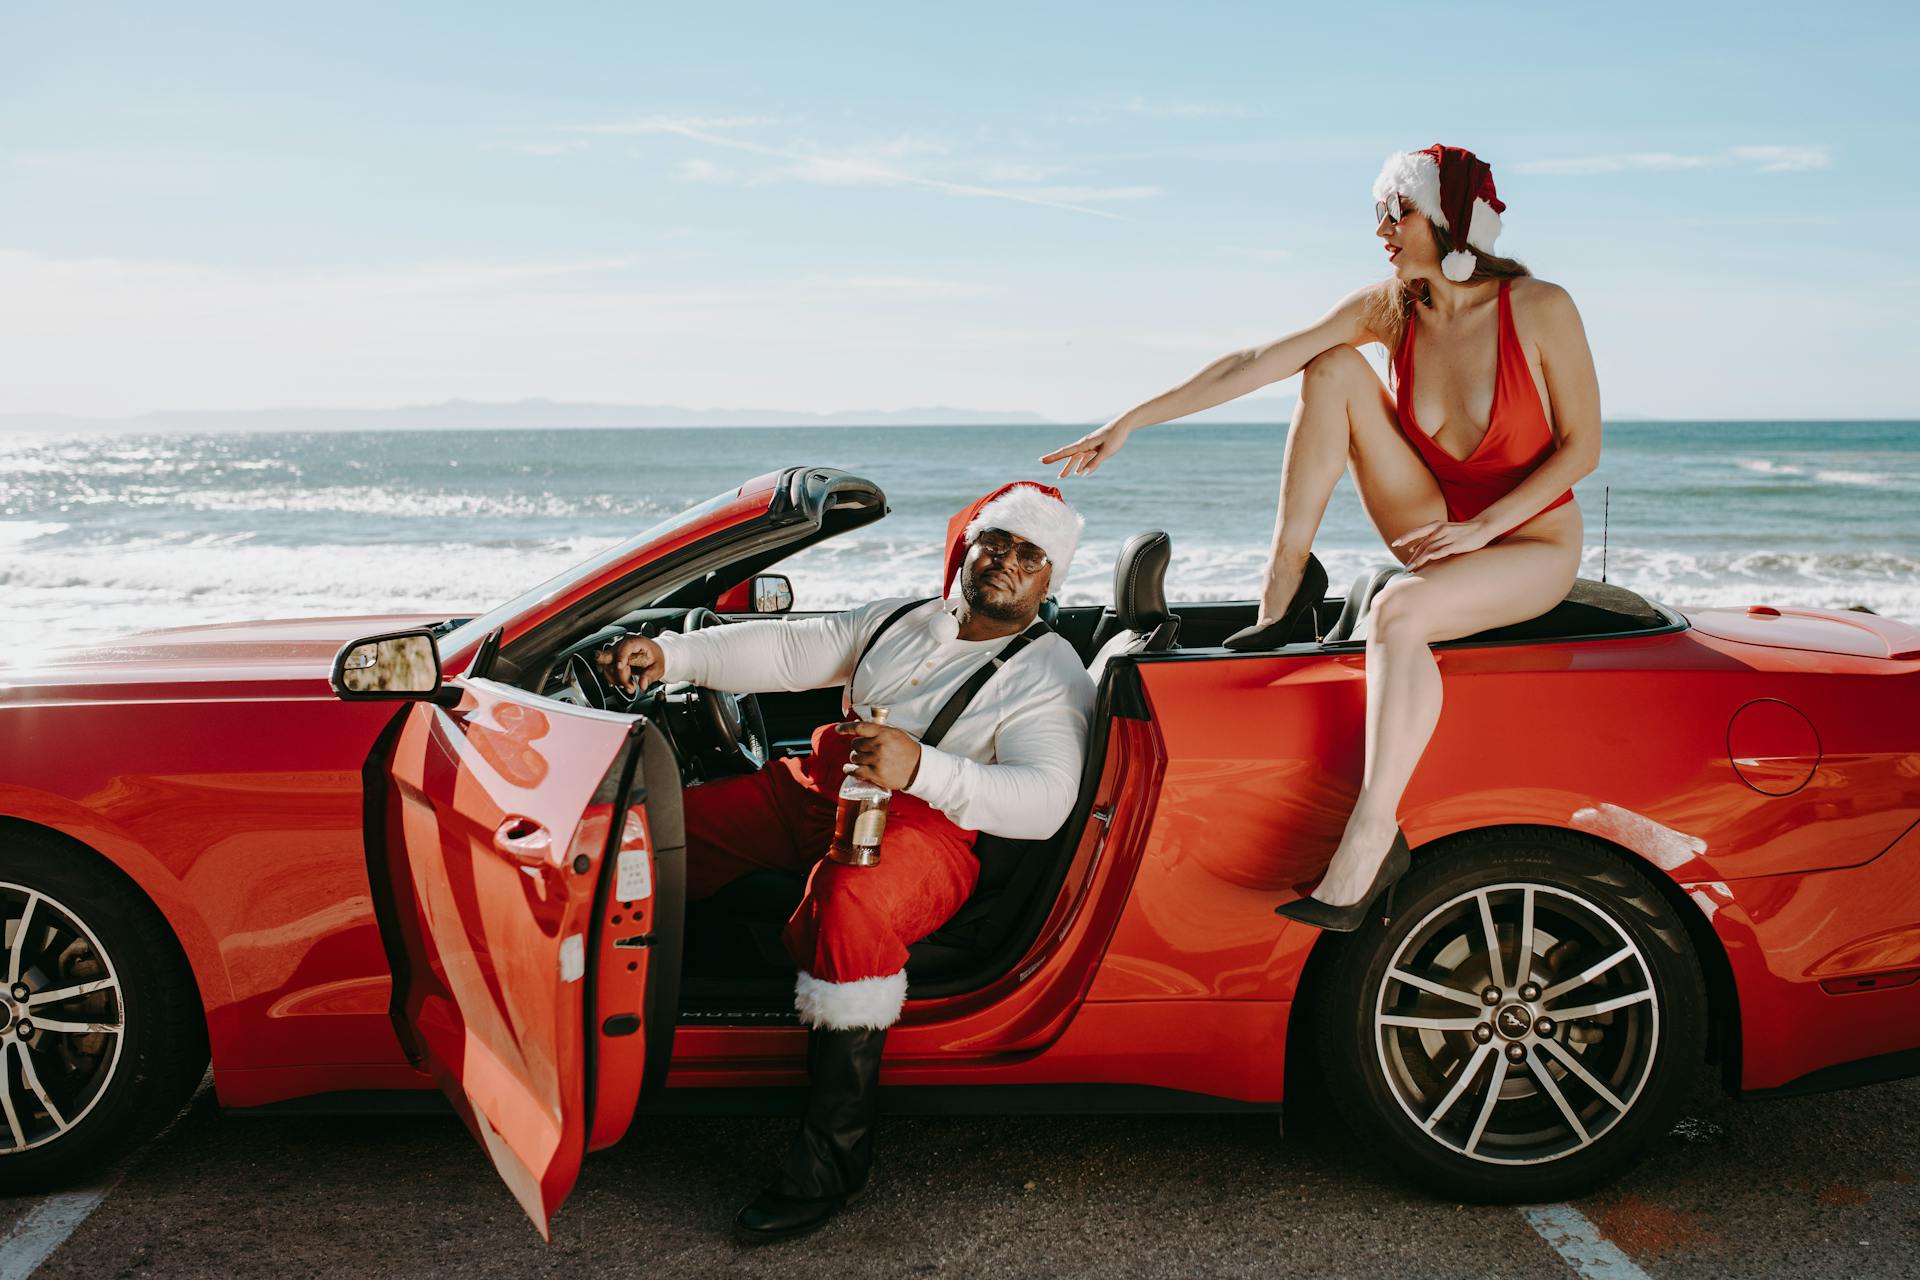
x=1390 y=310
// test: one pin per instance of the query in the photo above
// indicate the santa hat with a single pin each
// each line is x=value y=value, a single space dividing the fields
x=1454 y=188
x=1026 y=509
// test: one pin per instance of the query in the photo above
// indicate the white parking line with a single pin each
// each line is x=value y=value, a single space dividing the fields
x=1571 y=1235
x=45 y=1227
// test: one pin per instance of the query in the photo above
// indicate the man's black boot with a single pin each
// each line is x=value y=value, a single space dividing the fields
x=830 y=1156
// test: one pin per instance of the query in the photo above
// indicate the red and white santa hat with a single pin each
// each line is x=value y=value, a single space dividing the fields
x=1027 y=509
x=1454 y=188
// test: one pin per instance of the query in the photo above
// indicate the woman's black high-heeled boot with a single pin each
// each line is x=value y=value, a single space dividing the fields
x=1346 y=919
x=1306 y=597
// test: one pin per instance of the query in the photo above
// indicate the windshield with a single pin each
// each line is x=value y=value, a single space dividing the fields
x=469 y=631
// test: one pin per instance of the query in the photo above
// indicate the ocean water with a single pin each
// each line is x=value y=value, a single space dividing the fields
x=104 y=535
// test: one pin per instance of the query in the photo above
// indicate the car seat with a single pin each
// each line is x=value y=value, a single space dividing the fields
x=1140 y=610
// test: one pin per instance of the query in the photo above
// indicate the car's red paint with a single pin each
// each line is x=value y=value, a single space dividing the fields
x=232 y=796
x=1765 y=766
x=1818 y=631
x=494 y=802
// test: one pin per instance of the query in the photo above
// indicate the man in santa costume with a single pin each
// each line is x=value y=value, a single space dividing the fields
x=987 y=731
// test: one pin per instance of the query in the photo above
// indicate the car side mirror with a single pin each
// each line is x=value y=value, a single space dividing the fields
x=772 y=593
x=401 y=665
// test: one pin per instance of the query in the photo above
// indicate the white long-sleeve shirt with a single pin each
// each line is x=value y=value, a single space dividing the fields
x=1010 y=764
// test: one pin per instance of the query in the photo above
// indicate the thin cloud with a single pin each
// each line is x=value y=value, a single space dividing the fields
x=221 y=290
x=117 y=170
x=1583 y=165
x=1168 y=109
x=910 y=287
x=1139 y=106
x=1776 y=159
x=695 y=169
x=842 y=167
x=1760 y=159
x=674 y=123
x=569 y=146
x=1258 y=254
x=1019 y=171
x=1096 y=195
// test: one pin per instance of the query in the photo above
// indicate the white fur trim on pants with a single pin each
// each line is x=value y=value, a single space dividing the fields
x=842 y=1006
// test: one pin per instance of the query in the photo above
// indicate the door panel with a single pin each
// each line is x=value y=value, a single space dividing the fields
x=633 y=997
x=503 y=817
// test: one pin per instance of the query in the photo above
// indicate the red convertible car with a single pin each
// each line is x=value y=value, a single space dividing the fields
x=1643 y=840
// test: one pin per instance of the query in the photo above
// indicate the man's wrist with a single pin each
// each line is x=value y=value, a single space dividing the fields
x=664 y=644
x=928 y=772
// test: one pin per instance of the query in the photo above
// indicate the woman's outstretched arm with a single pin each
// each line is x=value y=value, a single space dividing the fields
x=1228 y=378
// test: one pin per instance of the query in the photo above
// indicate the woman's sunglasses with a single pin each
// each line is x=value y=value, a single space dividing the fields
x=1388 y=210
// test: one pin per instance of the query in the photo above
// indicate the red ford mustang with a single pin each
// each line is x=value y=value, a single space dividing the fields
x=1643 y=838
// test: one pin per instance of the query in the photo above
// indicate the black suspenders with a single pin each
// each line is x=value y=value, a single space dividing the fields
x=957 y=704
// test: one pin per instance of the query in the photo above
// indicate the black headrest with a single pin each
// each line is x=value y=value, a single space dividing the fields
x=1139 y=581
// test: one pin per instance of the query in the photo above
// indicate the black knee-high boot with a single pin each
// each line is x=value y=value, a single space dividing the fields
x=830 y=1157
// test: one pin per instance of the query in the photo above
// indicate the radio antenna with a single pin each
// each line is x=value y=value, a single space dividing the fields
x=1606 y=497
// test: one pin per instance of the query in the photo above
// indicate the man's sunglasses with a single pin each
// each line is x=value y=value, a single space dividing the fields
x=1388 y=210
x=999 y=544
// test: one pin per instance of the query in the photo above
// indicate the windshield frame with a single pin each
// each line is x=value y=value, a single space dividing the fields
x=703 y=517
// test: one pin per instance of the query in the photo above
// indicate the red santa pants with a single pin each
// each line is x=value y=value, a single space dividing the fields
x=855 y=923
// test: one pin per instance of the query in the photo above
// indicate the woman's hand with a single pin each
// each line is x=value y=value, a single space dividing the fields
x=1084 y=456
x=1439 y=538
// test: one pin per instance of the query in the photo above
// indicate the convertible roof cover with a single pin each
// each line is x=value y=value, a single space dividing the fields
x=1590 y=609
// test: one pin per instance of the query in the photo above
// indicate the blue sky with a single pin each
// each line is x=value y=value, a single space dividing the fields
x=1058 y=208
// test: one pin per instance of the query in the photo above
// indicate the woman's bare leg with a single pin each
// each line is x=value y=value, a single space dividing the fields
x=1455 y=596
x=1343 y=417
x=1403 y=707
x=1316 y=454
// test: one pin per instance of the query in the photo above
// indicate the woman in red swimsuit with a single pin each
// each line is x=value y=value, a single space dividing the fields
x=1466 y=468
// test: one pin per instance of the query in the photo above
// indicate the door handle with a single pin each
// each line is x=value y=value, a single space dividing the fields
x=523 y=841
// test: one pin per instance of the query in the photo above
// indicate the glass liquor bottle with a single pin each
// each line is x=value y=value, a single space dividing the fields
x=861 y=817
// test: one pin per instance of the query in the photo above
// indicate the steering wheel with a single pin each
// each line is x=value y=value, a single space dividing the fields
x=576 y=683
x=728 y=733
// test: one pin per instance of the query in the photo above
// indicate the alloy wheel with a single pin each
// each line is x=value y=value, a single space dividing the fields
x=1517 y=1023
x=61 y=1019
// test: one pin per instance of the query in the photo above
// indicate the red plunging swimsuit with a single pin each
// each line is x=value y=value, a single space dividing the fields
x=1517 y=440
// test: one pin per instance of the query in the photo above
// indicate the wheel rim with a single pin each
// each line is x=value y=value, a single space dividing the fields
x=1517 y=1023
x=61 y=1019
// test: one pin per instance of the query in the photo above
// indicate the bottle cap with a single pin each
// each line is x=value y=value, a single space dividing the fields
x=878 y=715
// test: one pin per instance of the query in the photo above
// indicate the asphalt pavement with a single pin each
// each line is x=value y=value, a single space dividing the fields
x=1822 y=1186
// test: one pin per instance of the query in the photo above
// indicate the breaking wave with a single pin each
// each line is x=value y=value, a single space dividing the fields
x=99 y=537
x=75 y=594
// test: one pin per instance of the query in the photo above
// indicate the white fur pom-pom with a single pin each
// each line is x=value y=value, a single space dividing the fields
x=1457 y=266
x=944 y=626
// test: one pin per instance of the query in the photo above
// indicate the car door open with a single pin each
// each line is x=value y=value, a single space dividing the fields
x=536 y=864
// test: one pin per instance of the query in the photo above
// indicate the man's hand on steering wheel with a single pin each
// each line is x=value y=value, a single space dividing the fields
x=631 y=662
x=883 y=755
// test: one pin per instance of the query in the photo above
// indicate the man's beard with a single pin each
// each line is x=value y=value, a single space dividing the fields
x=976 y=598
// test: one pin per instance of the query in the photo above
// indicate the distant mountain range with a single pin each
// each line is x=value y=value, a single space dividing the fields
x=523 y=415
x=472 y=415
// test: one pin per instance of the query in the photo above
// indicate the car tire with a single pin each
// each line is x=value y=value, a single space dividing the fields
x=1413 y=1043
x=87 y=1076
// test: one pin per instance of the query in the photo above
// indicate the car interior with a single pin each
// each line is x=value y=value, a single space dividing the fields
x=734 y=969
